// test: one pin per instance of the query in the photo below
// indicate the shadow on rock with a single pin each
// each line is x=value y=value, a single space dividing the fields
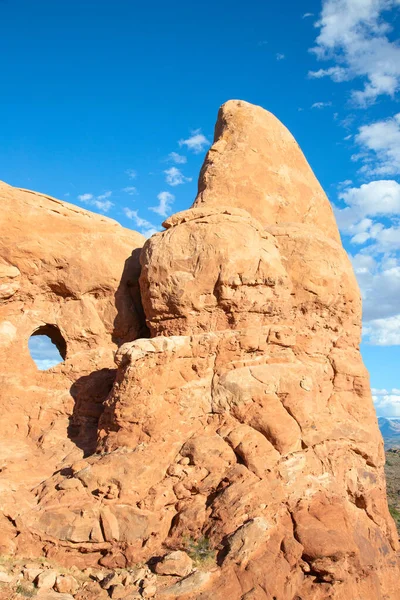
x=130 y=322
x=89 y=393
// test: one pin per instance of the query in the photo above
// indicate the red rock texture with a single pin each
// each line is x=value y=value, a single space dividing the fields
x=246 y=420
x=72 y=274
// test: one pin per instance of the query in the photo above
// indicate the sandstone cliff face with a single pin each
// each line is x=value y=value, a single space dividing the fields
x=246 y=419
x=63 y=271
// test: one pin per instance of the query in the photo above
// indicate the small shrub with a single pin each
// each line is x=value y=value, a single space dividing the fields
x=200 y=551
x=24 y=590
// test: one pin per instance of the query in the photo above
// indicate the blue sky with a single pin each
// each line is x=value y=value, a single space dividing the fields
x=111 y=104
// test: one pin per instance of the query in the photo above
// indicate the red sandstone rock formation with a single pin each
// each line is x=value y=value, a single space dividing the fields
x=246 y=420
x=67 y=273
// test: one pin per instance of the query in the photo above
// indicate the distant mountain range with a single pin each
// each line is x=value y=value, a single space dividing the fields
x=390 y=430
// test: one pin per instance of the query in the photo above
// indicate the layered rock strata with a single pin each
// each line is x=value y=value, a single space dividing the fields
x=71 y=275
x=246 y=420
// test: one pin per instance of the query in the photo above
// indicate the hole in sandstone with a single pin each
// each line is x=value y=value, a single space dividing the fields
x=47 y=347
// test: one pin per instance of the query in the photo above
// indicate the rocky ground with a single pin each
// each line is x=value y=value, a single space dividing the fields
x=176 y=574
x=392 y=471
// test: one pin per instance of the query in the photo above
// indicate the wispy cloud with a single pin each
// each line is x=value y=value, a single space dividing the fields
x=196 y=142
x=174 y=176
x=306 y=15
x=388 y=404
x=131 y=190
x=145 y=227
x=279 y=56
x=100 y=202
x=338 y=74
x=178 y=159
x=380 y=145
x=383 y=332
x=379 y=280
x=165 y=201
x=44 y=352
x=132 y=174
x=363 y=204
x=321 y=104
x=355 y=36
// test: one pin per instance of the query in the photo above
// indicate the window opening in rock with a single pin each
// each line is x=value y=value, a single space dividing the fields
x=47 y=347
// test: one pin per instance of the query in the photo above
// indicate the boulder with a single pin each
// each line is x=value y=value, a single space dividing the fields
x=66 y=584
x=46 y=579
x=175 y=563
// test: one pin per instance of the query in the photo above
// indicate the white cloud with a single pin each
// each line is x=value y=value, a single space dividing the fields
x=145 y=227
x=44 y=352
x=383 y=332
x=132 y=174
x=174 y=176
x=379 y=282
x=384 y=392
x=306 y=15
x=387 y=405
x=85 y=197
x=321 y=104
x=386 y=239
x=380 y=143
x=131 y=190
x=338 y=74
x=104 y=196
x=380 y=197
x=354 y=35
x=178 y=159
x=100 y=202
x=196 y=142
x=104 y=206
x=373 y=199
x=165 y=201
x=380 y=287
x=279 y=56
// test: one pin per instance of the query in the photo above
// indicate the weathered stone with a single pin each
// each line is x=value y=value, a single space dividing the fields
x=175 y=563
x=110 y=580
x=72 y=275
x=243 y=431
x=191 y=586
x=149 y=591
x=66 y=584
x=52 y=595
x=31 y=573
x=46 y=579
x=6 y=577
x=256 y=164
x=118 y=591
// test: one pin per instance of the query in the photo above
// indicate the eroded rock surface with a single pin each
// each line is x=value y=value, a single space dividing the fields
x=244 y=428
x=73 y=275
x=256 y=164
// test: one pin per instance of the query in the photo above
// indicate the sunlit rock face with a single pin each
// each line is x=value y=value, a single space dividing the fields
x=67 y=274
x=246 y=418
